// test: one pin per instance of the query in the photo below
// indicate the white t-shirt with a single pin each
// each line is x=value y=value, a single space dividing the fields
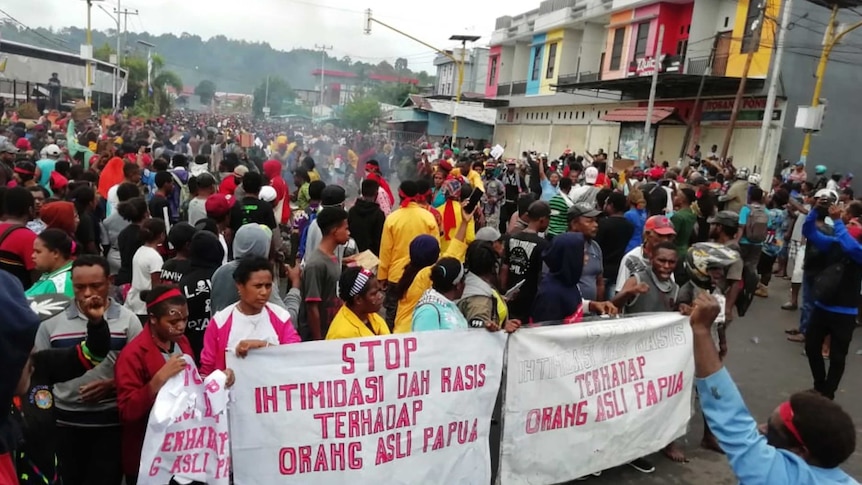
x=251 y=327
x=145 y=262
x=113 y=200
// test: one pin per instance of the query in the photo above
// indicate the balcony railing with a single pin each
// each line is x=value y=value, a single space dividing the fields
x=697 y=66
x=519 y=88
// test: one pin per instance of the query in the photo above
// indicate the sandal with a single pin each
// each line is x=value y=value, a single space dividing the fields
x=789 y=306
x=792 y=331
x=797 y=338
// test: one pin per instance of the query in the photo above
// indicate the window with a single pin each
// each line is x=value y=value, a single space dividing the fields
x=750 y=41
x=641 y=43
x=552 y=58
x=492 y=78
x=537 y=63
x=681 y=47
x=617 y=51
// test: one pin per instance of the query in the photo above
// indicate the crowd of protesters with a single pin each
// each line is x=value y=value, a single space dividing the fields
x=190 y=234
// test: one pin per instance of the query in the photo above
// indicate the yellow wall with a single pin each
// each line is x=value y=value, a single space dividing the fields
x=554 y=36
x=762 y=57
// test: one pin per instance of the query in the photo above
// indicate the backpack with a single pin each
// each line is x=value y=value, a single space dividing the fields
x=757 y=225
x=185 y=194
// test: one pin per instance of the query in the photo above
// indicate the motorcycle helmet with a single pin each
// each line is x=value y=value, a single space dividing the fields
x=820 y=169
x=742 y=174
x=702 y=257
x=754 y=179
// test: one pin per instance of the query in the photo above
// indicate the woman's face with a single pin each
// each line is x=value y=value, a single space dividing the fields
x=438 y=179
x=45 y=259
x=371 y=301
x=171 y=326
x=256 y=291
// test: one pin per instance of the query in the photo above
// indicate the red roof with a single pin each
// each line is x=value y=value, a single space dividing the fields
x=375 y=77
x=638 y=115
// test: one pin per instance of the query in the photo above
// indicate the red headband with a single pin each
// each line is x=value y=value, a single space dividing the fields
x=172 y=293
x=786 y=413
x=23 y=171
x=405 y=200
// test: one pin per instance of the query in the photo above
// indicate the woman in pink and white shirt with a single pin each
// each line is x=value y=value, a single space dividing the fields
x=250 y=323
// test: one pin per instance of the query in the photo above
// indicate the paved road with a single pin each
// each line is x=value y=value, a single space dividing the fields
x=767 y=372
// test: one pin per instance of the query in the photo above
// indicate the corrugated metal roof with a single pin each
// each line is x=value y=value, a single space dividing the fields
x=638 y=115
x=471 y=111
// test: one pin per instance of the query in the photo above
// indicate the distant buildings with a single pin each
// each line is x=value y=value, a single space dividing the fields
x=475 y=70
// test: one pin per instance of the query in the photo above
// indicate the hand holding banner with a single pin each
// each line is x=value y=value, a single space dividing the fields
x=585 y=398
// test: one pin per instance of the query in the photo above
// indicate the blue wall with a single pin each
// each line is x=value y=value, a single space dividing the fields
x=533 y=85
x=440 y=125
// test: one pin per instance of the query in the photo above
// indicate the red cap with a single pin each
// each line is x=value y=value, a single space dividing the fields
x=22 y=144
x=218 y=205
x=655 y=173
x=659 y=225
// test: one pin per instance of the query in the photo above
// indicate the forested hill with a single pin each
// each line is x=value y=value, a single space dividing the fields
x=233 y=65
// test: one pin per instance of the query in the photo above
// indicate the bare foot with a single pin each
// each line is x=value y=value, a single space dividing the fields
x=675 y=453
x=710 y=443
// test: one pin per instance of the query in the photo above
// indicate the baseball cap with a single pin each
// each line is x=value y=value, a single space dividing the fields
x=488 y=234
x=726 y=218
x=218 y=205
x=267 y=193
x=660 y=225
x=582 y=210
x=240 y=170
x=591 y=174
x=826 y=194
x=333 y=195
x=51 y=151
x=8 y=148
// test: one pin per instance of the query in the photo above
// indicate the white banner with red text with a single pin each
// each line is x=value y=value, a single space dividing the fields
x=584 y=398
x=413 y=408
x=187 y=432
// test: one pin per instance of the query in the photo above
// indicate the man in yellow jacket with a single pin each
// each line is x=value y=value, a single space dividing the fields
x=401 y=227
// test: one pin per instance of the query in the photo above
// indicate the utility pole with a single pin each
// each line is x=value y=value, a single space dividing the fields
x=707 y=71
x=266 y=99
x=773 y=92
x=323 y=48
x=734 y=115
x=651 y=104
x=88 y=88
x=120 y=33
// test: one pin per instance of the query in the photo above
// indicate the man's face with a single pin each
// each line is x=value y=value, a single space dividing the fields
x=663 y=263
x=544 y=222
x=510 y=168
x=342 y=233
x=554 y=179
x=7 y=158
x=588 y=226
x=573 y=176
x=89 y=282
x=135 y=177
x=38 y=200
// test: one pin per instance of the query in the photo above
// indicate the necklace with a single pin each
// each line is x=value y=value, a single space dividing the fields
x=663 y=286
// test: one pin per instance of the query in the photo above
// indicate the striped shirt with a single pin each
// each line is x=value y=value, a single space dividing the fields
x=560 y=204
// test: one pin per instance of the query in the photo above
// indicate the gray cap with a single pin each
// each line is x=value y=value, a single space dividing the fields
x=583 y=210
x=488 y=234
x=725 y=218
x=8 y=148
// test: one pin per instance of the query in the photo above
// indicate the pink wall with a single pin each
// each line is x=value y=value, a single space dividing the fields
x=495 y=52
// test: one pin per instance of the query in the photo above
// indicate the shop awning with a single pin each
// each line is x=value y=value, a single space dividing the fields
x=638 y=115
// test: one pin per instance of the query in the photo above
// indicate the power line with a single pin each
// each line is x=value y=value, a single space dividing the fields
x=56 y=42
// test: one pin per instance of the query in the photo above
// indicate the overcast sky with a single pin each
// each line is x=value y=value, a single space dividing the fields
x=287 y=24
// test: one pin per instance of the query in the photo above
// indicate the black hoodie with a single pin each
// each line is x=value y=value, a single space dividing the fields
x=365 y=221
x=206 y=257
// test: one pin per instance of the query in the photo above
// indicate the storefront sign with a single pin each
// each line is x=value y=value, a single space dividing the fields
x=585 y=398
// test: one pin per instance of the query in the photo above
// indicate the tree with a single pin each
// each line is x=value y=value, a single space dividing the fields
x=361 y=112
x=393 y=93
x=206 y=89
x=400 y=64
x=281 y=96
x=104 y=52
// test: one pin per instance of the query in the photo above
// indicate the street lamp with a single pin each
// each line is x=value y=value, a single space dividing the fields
x=463 y=39
x=149 y=63
x=369 y=19
x=833 y=37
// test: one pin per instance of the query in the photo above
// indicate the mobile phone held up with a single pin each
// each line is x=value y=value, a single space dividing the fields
x=474 y=200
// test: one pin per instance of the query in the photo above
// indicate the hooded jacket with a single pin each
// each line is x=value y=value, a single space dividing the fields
x=272 y=170
x=365 y=220
x=251 y=240
x=480 y=303
x=196 y=285
x=16 y=339
x=558 y=297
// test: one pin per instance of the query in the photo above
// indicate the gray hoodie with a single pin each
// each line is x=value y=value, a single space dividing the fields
x=250 y=240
